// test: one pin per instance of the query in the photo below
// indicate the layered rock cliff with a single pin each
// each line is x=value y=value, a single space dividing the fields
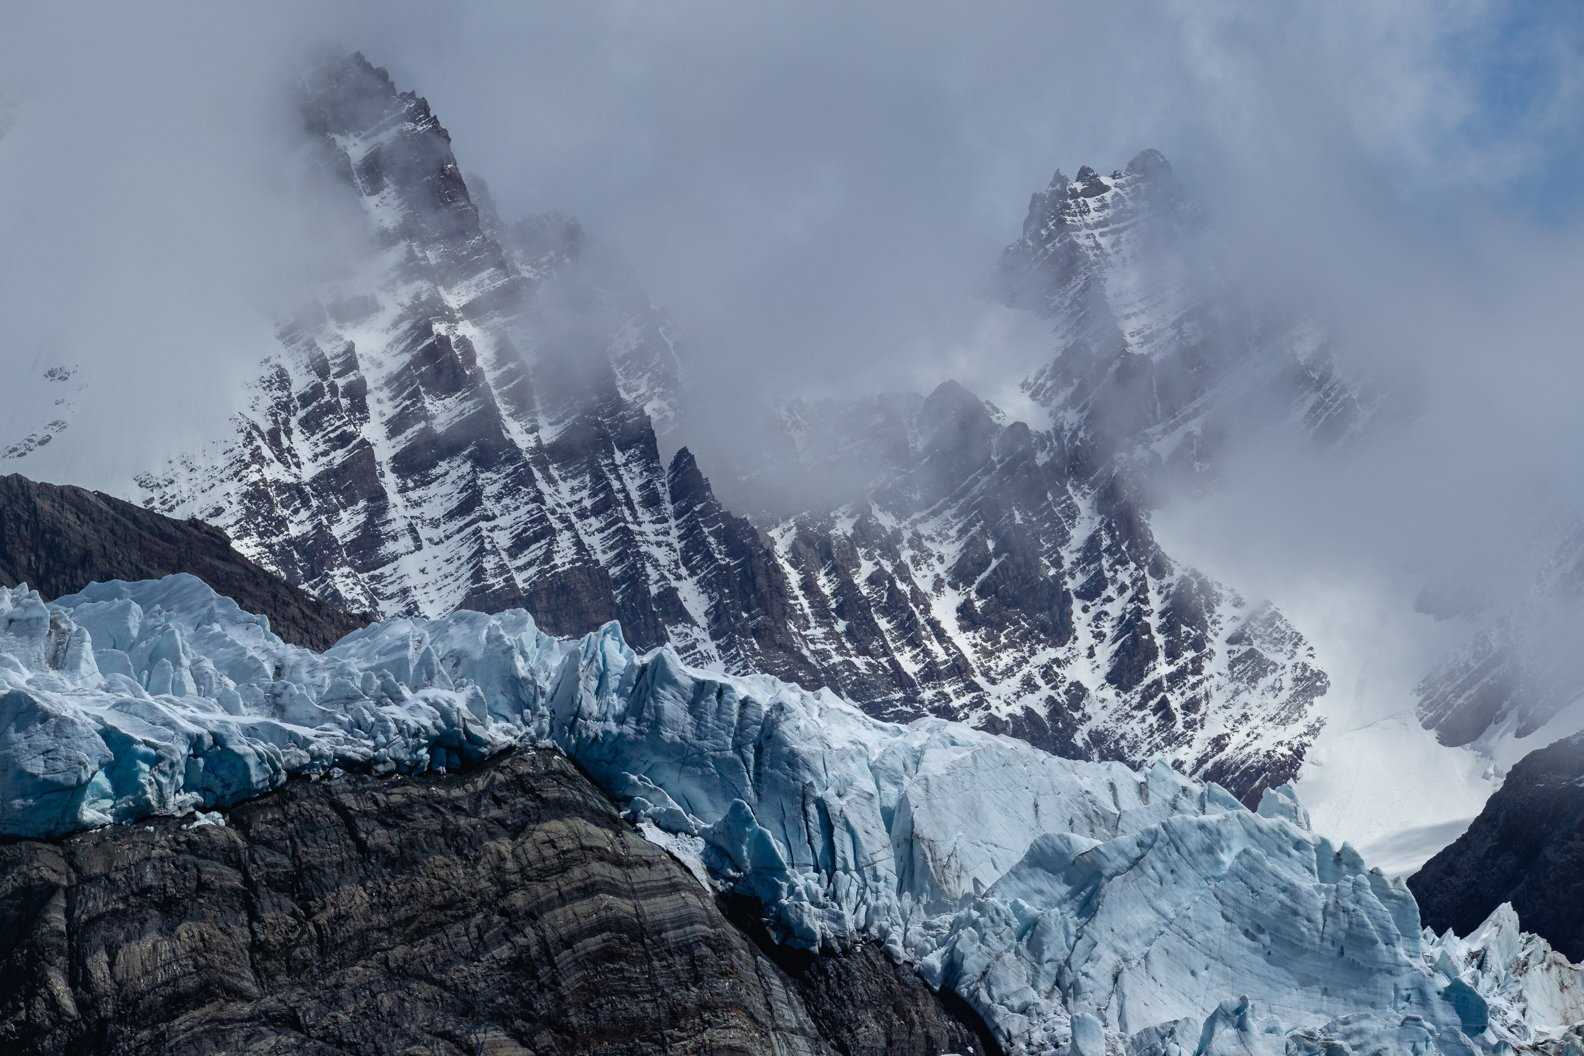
x=504 y=910
x=59 y=539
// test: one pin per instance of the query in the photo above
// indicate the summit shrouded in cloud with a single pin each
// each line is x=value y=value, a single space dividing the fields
x=1095 y=591
x=791 y=209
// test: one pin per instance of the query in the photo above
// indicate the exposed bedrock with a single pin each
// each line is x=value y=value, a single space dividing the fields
x=508 y=909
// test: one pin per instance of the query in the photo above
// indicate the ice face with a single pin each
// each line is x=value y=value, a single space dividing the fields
x=1064 y=900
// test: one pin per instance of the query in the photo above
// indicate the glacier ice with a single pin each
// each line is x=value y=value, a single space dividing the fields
x=1078 y=906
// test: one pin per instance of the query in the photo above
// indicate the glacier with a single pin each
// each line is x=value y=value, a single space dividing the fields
x=1077 y=906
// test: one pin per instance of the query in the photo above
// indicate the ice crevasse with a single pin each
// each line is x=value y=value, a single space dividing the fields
x=1079 y=907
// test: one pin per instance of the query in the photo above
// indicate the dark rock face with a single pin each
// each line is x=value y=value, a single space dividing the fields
x=59 y=539
x=1526 y=847
x=506 y=910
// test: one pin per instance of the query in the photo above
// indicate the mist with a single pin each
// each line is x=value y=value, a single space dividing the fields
x=816 y=194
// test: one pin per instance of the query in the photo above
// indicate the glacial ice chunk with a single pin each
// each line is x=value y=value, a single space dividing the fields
x=1077 y=906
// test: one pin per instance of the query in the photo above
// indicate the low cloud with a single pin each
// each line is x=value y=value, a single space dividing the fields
x=817 y=194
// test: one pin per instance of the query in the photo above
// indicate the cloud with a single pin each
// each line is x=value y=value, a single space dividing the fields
x=816 y=192
x=158 y=217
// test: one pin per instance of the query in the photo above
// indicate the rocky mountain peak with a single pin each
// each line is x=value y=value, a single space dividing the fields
x=1156 y=357
x=474 y=422
x=1149 y=162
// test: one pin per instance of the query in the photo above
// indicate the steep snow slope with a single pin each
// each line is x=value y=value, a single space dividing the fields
x=1063 y=899
x=1373 y=776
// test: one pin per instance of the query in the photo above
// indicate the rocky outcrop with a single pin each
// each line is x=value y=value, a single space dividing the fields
x=1526 y=847
x=58 y=539
x=993 y=579
x=1160 y=358
x=504 y=910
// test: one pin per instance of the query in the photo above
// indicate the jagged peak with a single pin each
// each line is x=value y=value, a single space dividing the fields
x=1149 y=162
x=951 y=398
x=687 y=483
x=348 y=94
x=683 y=462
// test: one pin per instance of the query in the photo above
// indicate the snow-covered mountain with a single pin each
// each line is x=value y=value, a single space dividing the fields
x=1160 y=357
x=1068 y=902
x=1517 y=682
x=463 y=423
x=984 y=577
x=475 y=421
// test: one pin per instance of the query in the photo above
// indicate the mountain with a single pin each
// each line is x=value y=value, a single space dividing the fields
x=1161 y=356
x=987 y=578
x=467 y=422
x=430 y=434
x=59 y=539
x=1066 y=902
x=1526 y=848
x=476 y=421
x=1519 y=670
x=507 y=909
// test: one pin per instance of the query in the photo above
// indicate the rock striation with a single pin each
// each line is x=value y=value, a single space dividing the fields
x=987 y=578
x=476 y=421
x=1055 y=897
x=58 y=539
x=507 y=909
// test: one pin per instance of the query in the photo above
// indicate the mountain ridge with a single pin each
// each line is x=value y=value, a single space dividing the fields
x=471 y=425
x=58 y=539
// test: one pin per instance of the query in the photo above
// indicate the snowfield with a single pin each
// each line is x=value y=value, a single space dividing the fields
x=1078 y=906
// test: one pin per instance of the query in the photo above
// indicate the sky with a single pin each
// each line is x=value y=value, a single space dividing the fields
x=815 y=192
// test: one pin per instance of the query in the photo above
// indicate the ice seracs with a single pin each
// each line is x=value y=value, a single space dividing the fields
x=1063 y=899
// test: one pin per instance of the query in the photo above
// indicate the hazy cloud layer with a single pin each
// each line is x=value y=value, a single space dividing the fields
x=816 y=193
